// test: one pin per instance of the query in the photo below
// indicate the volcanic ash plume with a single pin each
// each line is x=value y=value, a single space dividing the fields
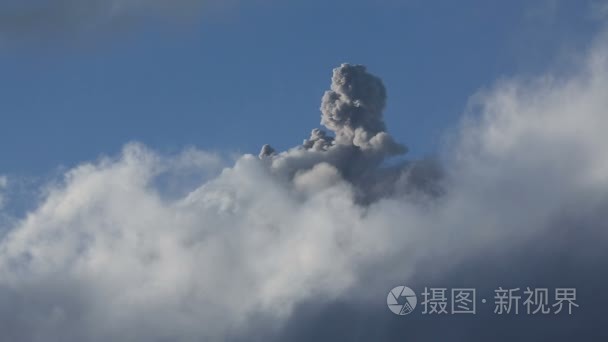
x=352 y=110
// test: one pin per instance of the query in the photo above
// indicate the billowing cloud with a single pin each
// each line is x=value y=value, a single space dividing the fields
x=110 y=254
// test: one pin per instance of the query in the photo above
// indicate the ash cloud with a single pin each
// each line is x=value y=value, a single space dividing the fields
x=282 y=246
x=353 y=108
x=352 y=111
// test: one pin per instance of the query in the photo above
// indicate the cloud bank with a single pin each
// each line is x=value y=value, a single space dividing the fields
x=272 y=246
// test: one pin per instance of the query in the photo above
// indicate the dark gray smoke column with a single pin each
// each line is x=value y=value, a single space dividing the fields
x=266 y=151
x=353 y=108
x=355 y=102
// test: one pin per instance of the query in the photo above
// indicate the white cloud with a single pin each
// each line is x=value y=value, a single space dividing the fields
x=108 y=255
x=3 y=183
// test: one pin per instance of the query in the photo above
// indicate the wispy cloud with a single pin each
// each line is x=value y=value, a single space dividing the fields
x=57 y=18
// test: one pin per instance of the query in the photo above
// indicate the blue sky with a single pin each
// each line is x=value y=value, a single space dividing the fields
x=153 y=243
x=238 y=76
